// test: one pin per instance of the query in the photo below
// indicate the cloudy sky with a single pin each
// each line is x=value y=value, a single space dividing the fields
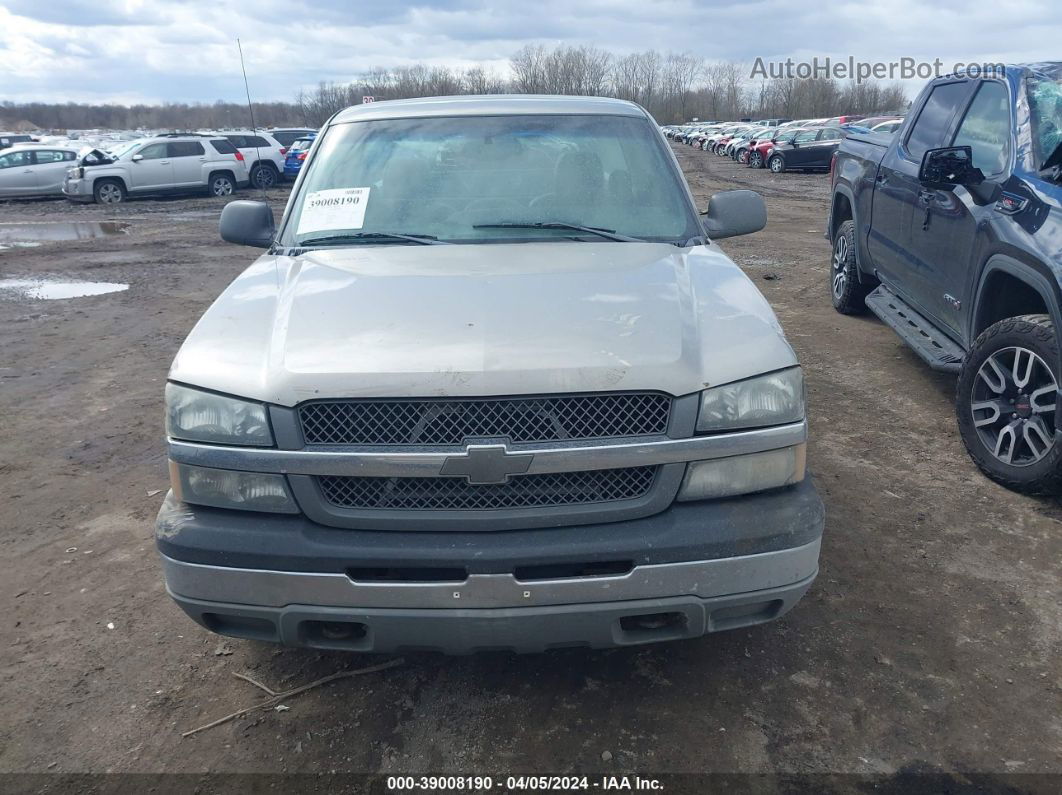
x=185 y=50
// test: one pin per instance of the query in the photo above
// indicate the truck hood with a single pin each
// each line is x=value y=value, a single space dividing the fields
x=486 y=319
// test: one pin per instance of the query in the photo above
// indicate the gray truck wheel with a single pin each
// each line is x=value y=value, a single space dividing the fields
x=846 y=290
x=1005 y=404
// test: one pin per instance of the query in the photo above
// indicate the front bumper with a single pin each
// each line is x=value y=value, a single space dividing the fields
x=77 y=189
x=692 y=569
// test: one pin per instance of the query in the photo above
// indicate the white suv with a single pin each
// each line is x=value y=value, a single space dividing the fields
x=264 y=155
x=162 y=164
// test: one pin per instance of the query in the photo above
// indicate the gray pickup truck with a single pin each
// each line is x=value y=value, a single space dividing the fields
x=491 y=386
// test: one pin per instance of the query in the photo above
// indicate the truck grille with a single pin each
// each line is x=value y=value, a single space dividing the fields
x=451 y=421
x=456 y=494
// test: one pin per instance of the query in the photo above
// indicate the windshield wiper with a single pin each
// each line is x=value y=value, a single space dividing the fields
x=354 y=237
x=610 y=234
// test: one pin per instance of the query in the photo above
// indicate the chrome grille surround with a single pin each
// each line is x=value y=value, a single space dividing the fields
x=452 y=421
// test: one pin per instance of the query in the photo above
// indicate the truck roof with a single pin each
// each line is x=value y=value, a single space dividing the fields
x=489 y=105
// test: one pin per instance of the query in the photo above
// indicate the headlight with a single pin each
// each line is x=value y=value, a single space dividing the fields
x=772 y=399
x=225 y=488
x=742 y=474
x=197 y=416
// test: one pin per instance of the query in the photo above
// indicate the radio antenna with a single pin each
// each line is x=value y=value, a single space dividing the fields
x=250 y=111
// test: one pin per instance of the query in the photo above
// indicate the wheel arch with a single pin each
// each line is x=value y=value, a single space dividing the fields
x=1009 y=287
x=110 y=178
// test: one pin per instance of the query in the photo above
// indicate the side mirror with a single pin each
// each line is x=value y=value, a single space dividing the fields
x=137 y=158
x=950 y=166
x=734 y=212
x=247 y=223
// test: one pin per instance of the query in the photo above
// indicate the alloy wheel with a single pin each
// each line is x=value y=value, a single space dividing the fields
x=840 y=266
x=110 y=193
x=1013 y=406
x=221 y=186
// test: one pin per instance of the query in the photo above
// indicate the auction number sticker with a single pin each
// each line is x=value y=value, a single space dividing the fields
x=338 y=208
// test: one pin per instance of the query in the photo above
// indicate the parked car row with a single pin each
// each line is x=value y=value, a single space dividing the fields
x=780 y=144
x=218 y=162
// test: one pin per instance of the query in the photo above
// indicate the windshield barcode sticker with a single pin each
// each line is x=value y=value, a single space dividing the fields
x=339 y=208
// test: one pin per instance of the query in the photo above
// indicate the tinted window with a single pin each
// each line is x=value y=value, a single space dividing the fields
x=153 y=152
x=13 y=159
x=807 y=135
x=224 y=147
x=287 y=138
x=932 y=123
x=237 y=140
x=986 y=128
x=186 y=149
x=256 y=140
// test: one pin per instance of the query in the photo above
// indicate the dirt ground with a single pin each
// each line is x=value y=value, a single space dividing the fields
x=930 y=641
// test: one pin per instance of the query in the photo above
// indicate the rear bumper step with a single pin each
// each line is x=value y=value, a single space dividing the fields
x=934 y=347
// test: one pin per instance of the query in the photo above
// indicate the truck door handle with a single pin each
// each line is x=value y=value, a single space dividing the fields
x=882 y=179
x=925 y=196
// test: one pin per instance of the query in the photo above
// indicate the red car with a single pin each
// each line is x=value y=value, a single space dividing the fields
x=761 y=152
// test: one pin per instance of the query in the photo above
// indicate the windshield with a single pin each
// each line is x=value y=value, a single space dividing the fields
x=454 y=178
x=1045 y=112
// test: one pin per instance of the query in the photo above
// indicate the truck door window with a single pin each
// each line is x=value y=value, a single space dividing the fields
x=986 y=128
x=931 y=126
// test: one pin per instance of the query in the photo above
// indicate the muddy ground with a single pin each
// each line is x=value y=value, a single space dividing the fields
x=930 y=640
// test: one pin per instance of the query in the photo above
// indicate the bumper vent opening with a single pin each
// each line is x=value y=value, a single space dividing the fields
x=408 y=574
x=648 y=627
x=563 y=571
x=335 y=635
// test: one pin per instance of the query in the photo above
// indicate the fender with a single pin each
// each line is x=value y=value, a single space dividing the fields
x=1032 y=272
x=862 y=255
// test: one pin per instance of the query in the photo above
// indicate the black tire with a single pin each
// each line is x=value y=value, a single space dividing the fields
x=776 y=164
x=983 y=399
x=109 y=191
x=264 y=176
x=847 y=291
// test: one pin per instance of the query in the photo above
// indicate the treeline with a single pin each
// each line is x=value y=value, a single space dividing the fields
x=674 y=87
x=172 y=116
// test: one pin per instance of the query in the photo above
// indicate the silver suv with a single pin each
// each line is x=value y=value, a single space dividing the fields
x=163 y=164
x=491 y=386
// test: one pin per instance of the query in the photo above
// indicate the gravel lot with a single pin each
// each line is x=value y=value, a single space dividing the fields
x=930 y=641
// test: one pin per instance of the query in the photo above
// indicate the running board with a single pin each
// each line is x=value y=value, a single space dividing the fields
x=935 y=348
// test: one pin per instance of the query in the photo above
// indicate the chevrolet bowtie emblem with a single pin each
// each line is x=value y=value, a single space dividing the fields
x=487 y=463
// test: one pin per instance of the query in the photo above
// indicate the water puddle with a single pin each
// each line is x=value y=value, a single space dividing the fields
x=23 y=235
x=53 y=289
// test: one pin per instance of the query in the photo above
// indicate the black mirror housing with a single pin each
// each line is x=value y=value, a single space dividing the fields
x=248 y=223
x=734 y=212
x=948 y=167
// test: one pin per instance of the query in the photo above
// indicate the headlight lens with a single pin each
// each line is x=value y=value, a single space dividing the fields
x=225 y=488
x=197 y=416
x=772 y=399
x=743 y=474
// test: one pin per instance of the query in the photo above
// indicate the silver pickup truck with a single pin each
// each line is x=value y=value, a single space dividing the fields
x=492 y=386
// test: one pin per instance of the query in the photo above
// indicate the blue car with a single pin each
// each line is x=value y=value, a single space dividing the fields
x=296 y=154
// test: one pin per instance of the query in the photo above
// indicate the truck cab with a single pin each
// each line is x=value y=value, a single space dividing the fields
x=950 y=231
x=491 y=385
